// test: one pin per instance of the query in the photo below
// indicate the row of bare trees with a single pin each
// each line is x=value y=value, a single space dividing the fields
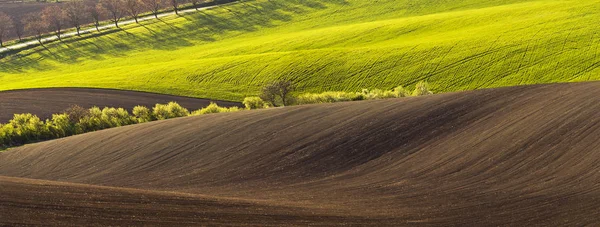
x=74 y=14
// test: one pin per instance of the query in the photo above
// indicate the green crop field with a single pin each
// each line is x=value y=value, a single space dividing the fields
x=230 y=52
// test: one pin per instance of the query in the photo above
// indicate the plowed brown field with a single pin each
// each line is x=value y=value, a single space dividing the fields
x=519 y=156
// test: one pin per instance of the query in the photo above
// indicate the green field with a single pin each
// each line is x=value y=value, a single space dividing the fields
x=230 y=52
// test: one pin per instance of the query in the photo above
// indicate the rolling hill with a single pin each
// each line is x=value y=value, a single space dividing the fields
x=523 y=156
x=230 y=52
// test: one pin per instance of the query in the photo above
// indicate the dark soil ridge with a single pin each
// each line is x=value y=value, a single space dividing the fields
x=518 y=156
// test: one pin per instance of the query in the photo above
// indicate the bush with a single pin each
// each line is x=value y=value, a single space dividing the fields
x=113 y=117
x=171 y=110
x=214 y=108
x=142 y=114
x=422 y=88
x=252 y=103
x=160 y=112
x=210 y=109
x=328 y=97
x=376 y=94
x=91 y=122
x=233 y=109
x=400 y=92
x=61 y=126
x=27 y=128
x=6 y=132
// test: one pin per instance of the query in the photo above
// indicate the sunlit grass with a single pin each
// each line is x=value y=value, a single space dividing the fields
x=325 y=45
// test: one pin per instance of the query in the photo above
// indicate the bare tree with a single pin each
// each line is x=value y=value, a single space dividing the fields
x=76 y=113
x=6 y=24
x=114 y=9
x=35 y=26
x=196 y=2
x=134 y=8
x=75 y=12
x=154 y=6
x=278 y=92
x=95 y=11
x=18 y=28
x=175 y=4
x=54 y=17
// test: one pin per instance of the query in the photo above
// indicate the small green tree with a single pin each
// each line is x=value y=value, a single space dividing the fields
x=278 y=93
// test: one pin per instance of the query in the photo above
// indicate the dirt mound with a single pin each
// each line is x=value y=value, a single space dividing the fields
x=511 y=156
x=45 y=102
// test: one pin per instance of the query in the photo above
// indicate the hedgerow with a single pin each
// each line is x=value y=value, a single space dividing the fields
x=28 y=128
x=422 y=88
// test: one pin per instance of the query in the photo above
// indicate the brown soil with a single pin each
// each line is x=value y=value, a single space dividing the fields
x=520 y=156
x=45 y=102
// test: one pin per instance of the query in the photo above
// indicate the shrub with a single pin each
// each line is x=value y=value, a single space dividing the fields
x=375 y=94
x=142 y=114
x=210 y=109
x=27 y=128
x=113 y=117
x=328 y=97
x=60 y=126
x=214 y=108
x=177 y=111
x=400 y=92
x=91 y=122
x=233 y=109
x=6 y=132
x=422 y=88
x=252 y=103
x=171 y=110
x=160 y=112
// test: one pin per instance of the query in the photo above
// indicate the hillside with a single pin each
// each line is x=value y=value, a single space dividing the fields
x=510 y=156
x=230 y=52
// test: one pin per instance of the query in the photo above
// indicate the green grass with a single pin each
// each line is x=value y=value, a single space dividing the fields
x=327 y=45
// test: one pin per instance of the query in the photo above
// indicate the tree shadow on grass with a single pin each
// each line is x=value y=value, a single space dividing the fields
x=164 y=34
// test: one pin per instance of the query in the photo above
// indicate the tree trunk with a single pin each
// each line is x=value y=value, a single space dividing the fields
x=97 y=25
x=136 y=21
x=284 y=103
x=78 y=34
